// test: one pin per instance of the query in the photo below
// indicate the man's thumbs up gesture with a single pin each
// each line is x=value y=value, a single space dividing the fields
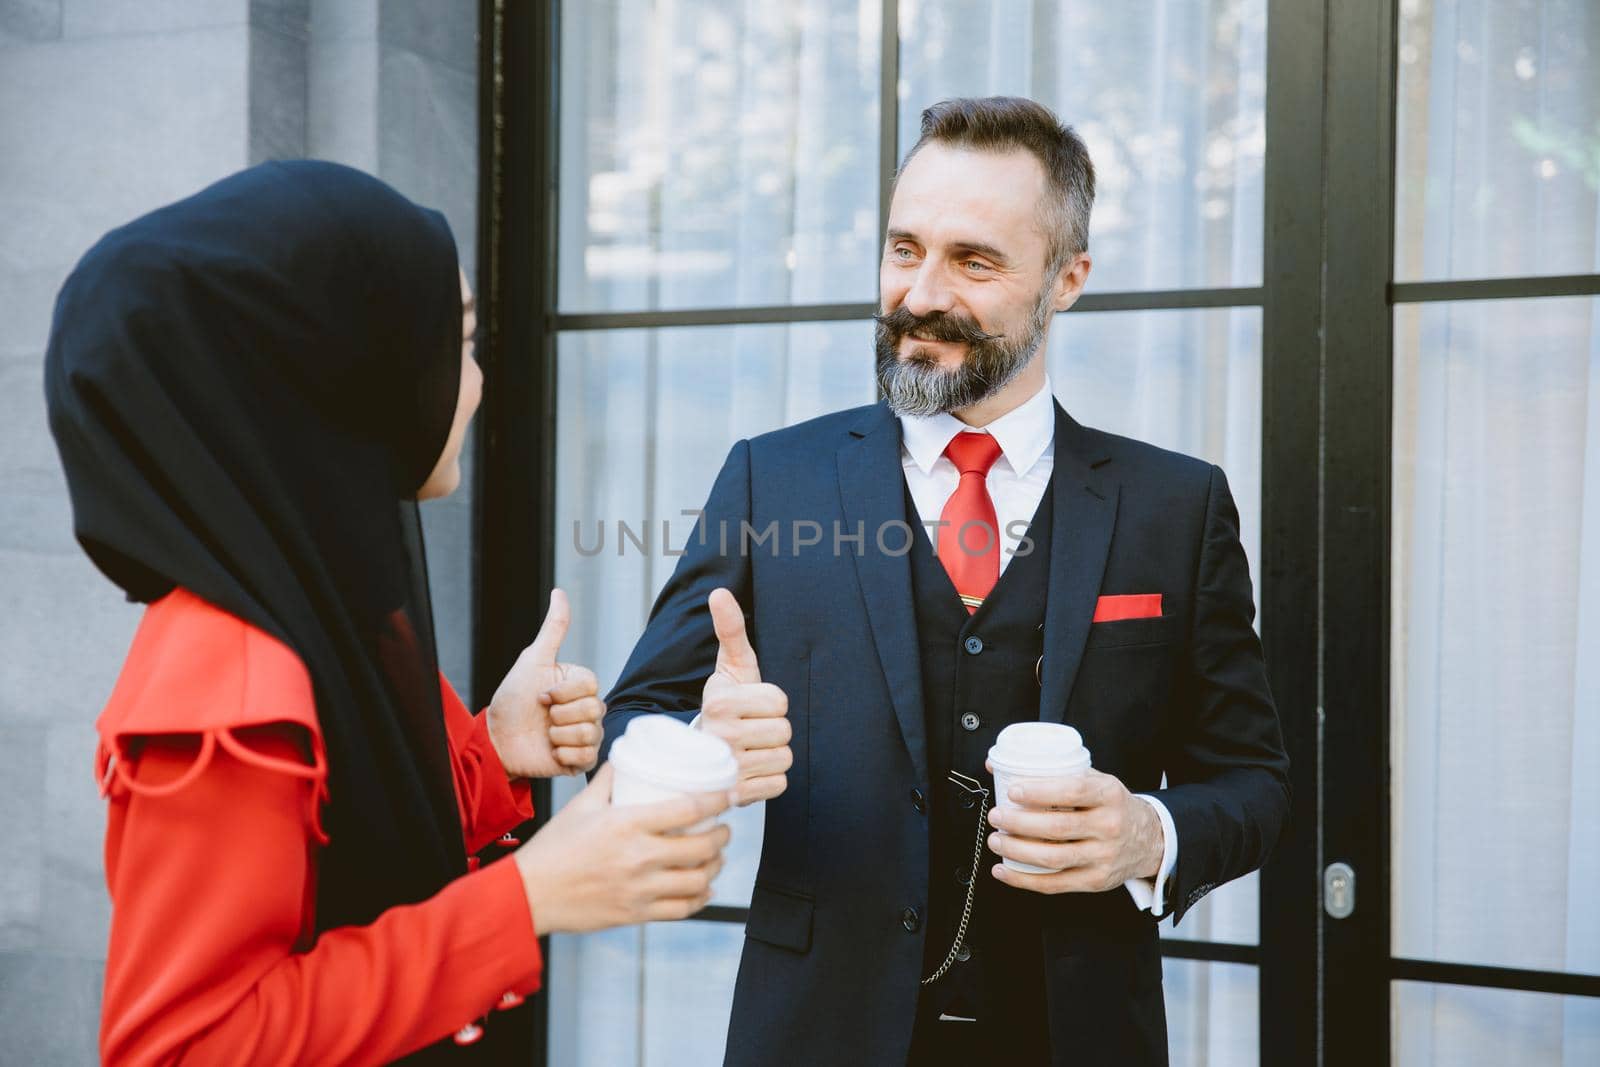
x=749 y=714
x=544 y=719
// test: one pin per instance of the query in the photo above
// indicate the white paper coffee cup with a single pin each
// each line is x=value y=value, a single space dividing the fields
x=658 y=758
x=1032 y=751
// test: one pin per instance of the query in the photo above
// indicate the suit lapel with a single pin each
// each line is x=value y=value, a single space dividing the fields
x=1080 y=540
x=872 y=493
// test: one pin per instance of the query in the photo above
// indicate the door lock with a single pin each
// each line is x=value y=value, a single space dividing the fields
x=1339 y=890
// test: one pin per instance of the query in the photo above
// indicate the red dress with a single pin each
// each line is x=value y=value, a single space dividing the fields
x=212 y=760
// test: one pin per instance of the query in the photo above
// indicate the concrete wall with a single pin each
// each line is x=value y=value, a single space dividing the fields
x=109 y=108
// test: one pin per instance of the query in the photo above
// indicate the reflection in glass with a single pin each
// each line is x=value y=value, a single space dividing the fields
x=1211 y=1013
x=1495 y=676
x=1168 y=95
x=717 y=154
x=1498 y=138
x=1459 y=1026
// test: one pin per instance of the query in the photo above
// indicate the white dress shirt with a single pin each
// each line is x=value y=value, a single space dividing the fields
x=1016 y=484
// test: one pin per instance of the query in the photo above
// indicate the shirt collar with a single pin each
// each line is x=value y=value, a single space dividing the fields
x=1024 y=433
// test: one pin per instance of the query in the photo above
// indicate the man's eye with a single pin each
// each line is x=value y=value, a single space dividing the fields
x=902 y=254
x=976 y=266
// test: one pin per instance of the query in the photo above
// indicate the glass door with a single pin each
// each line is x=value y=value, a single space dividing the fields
x=1494 y=713
x=1459 y=712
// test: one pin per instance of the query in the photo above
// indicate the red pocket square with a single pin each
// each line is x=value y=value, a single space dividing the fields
x=1130 y=606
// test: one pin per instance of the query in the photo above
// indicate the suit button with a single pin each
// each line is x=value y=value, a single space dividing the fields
x=974 y=645
x=969 y=721
x=911 y=919
x=918 y=801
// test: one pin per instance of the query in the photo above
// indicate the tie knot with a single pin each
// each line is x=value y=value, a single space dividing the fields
x=973 y=453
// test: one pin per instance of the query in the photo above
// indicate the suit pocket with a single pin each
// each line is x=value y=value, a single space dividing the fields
x=1105 y=997
x=1155 y=631
x=780 y=917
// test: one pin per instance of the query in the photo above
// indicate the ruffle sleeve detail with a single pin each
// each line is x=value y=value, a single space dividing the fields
x=218 y=678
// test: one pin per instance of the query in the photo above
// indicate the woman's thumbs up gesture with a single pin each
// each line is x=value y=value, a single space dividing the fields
x=544 y=719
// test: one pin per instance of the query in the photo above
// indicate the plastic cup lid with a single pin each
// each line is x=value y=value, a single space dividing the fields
x=673 y=754
x=1039 y=747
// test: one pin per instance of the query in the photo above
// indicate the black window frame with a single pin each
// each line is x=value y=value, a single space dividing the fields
x=1327 y=298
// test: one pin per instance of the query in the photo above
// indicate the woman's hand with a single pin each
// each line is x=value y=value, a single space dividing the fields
x=593 y=866
x=544 y=719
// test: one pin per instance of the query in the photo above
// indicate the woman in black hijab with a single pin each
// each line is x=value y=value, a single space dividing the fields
x=250 y=389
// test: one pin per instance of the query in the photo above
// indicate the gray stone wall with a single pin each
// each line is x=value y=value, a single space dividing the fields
x=109 y=108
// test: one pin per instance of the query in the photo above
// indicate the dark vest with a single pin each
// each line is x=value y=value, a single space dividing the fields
x=978 y=676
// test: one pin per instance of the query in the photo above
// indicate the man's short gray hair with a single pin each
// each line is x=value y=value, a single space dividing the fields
x=1012 y=123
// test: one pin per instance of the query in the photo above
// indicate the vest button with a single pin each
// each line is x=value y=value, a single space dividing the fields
x=911 y=919
x=963 y=954
x=969 y=722
x=918 y=801
x=963 y=875
x=973 y=645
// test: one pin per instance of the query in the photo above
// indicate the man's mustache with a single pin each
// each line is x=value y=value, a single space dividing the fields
x=937 y=325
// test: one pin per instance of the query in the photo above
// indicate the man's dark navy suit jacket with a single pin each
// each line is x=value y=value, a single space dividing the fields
x=830 y=973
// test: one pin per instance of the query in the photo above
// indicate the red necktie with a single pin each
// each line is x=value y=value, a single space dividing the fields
x=969 y=540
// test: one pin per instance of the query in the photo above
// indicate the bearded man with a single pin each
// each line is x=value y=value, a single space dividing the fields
x=1071 y=576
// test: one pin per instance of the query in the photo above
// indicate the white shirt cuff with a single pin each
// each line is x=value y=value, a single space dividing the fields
x=1153 y=897
x=695 y=722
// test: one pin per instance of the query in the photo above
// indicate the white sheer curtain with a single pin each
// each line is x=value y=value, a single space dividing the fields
x=1168 y=95
x=1496 y=524
x=718 y=153
x=1496 y=722
x=723 y=153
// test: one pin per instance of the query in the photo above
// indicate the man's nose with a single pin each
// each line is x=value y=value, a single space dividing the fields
x=930 y=291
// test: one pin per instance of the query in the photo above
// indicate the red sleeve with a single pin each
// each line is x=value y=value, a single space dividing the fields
x=211 y=756
x=203 y=964
x=491 y=804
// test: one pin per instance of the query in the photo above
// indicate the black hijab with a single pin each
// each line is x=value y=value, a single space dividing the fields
x=247 y=389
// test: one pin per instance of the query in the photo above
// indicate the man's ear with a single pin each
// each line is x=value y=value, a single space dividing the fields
x=1069 y=282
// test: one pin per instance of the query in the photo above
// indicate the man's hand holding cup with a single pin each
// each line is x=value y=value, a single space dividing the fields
x=1086 y=830
x=747 y=713
x=1062 y=826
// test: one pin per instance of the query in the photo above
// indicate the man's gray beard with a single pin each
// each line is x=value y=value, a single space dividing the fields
x=920 y=387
